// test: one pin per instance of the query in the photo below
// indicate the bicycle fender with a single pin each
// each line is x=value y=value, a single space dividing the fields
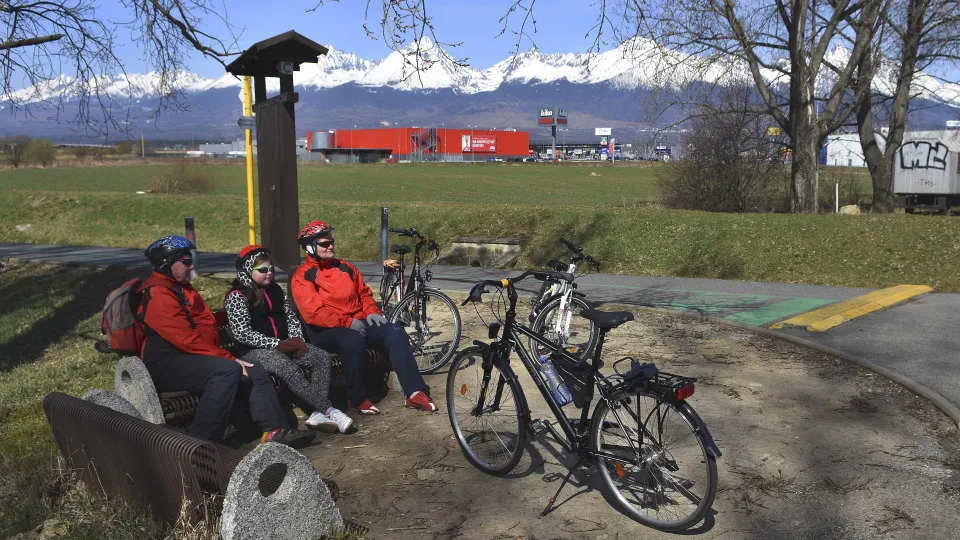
x=712 y=447
x=579 y=294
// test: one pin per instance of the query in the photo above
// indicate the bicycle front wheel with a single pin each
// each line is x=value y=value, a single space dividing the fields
x=565 y=328
x=483 y=402
x=432 y=323
x=658 y=470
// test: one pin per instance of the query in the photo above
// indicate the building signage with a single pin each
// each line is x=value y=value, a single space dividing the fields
x=478 y=143
x=600 y=132
x=551 y=115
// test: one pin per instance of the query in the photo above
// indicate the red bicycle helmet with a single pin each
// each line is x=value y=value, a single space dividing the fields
x=312 y=230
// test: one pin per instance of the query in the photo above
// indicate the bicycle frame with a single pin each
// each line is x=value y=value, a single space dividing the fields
x=416 y=281
x=575 y=439
x=562 y=323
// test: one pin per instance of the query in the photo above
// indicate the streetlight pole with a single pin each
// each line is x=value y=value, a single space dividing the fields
x=351 y=142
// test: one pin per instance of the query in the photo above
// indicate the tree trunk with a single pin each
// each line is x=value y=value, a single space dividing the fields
x=879 y=163
x=806 y=175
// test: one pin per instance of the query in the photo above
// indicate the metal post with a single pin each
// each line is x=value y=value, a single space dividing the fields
x=384 y=215
x=836 y=195
x=553 y=146
x=191 y=235
x=249 y=135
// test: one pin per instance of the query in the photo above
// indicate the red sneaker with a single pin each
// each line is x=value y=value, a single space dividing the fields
x=419 y=400
x=365 y=407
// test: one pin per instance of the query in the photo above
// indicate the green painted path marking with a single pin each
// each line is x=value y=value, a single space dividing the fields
x=780 y=310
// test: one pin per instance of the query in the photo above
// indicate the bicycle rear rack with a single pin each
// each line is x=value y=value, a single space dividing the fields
x=646 y=377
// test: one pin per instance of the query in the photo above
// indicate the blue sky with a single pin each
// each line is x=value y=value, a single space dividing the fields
x=561 y=26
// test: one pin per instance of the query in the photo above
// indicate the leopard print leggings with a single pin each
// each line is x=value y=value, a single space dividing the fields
x=314 y=392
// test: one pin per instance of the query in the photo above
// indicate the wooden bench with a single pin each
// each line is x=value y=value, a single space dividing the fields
x=179 y=408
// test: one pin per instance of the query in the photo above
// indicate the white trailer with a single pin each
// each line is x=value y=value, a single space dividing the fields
x=926 y=174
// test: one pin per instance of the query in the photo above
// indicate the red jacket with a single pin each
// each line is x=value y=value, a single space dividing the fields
x=331 y=294
x=161 y=311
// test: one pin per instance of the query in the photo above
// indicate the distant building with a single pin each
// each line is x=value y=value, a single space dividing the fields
x=844 y=149
x=417 y=144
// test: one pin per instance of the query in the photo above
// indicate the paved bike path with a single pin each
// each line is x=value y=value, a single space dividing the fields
x=913 y=339
x=747 y=302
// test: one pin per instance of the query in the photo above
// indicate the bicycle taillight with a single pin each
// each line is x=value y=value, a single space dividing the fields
x=684 y=392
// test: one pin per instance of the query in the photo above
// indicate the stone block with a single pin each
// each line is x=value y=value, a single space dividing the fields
x=256 y=508
x=132 y=382
x=111 y=400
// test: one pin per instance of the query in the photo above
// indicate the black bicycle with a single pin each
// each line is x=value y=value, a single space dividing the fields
x=430 y=317
x=654 y=453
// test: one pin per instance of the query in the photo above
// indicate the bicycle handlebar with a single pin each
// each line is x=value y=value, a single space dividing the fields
x=593 y=261
x=575 y=249
x=478 y=290
x=578 y=251
x=411 y=232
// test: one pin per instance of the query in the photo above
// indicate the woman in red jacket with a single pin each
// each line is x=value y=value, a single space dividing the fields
x=342 y=317
x=182 y=353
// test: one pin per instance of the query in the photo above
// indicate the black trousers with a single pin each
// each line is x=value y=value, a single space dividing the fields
x=217 y=380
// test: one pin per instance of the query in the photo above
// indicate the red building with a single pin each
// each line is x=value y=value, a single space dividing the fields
x=418 y=144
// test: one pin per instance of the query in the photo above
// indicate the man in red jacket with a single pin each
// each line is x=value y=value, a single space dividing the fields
x=342 y=317
x=182 y=353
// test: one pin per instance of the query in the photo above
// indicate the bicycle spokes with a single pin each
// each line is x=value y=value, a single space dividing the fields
x=657 y=460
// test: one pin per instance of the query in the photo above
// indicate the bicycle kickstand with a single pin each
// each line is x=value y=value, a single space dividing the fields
x=553 y=499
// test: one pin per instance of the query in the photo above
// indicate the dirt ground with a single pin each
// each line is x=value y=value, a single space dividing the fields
x=813 y=447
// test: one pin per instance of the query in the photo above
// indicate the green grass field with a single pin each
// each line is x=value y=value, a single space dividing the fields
x=513 y=183
x=612 y=213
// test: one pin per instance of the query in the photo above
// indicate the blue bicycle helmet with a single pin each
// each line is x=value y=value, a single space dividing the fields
x=167 y=250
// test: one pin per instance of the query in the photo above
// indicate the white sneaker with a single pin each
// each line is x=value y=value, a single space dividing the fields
x=342 y=420
x=322 y=422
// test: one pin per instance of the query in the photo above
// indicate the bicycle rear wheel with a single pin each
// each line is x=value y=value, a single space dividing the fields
x=484 y=406
x=432 y=323
x=576 y=334
x=389 y=290
x=663 y=477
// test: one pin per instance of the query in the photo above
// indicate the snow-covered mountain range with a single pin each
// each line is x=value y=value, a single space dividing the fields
x=634 y=64
x=344 y=90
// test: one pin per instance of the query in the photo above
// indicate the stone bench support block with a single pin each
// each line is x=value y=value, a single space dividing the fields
x=257 y=507
x=132 y=382
x=112 y=401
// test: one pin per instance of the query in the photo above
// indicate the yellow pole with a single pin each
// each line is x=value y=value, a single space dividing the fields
x=247 y=112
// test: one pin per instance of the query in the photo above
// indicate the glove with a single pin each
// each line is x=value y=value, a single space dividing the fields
x=375 y=319
x=301 y=347
x=287 y=347
x=358 y=325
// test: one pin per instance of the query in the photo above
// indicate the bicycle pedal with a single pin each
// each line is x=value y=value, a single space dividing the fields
x=539 y=427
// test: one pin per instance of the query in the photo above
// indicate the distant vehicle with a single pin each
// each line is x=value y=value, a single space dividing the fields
x=194 y=154
x=926 y=175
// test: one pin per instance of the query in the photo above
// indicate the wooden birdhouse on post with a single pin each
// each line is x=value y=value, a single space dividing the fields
x=278 y=56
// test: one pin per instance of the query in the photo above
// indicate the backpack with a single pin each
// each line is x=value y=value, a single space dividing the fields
x=120 y=323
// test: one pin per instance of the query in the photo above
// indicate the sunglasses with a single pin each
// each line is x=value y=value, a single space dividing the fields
x=264 y=269
x=187 y=261
x=324 y=243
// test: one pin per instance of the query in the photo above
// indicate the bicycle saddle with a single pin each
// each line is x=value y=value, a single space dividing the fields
x=399 y=249
x=607 y=319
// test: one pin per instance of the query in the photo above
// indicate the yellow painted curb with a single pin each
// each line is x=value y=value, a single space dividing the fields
x=825 y=318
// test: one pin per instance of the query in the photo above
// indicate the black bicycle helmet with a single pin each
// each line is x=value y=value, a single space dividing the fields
x=167 y=250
